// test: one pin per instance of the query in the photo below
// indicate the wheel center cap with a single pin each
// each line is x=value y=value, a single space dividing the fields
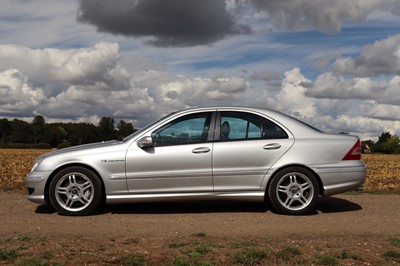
x=295 y=191
x=74 y=191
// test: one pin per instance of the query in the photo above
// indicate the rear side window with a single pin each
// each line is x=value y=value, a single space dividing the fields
x=247 y=126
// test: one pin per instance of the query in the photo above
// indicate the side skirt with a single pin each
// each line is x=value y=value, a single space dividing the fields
x=257 y=196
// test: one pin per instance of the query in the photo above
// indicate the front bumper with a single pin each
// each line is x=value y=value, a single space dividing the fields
x=35 y=182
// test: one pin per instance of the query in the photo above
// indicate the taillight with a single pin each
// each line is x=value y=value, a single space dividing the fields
x=354 y=153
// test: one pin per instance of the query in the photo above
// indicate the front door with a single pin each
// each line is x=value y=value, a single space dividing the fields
x=179 y=161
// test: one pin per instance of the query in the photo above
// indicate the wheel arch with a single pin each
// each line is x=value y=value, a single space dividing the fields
x=57 y=170
x=317 y=177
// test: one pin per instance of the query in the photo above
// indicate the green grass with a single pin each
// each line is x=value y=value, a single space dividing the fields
x=328 y=260
x=200 y=235
x=30 y=261
x=345 y=254
x=177 y=245
x=392 y=254
x=394 y=241
x=24 y=238
x=133 y=260
x=180 y=262
x=8 y=254
x=288 y=253
x=249 y=256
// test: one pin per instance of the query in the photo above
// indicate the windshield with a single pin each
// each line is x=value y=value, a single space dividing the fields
x=146 y=127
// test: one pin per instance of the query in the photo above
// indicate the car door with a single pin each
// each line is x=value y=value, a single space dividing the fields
x=246 y=146
x=179 y=159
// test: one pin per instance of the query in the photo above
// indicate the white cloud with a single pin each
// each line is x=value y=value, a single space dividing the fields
x=292 y=96
x=380 y=111
x=17 y=96
x=324 y=16
x=329 y=85
x=381 y=57
x=87 y=83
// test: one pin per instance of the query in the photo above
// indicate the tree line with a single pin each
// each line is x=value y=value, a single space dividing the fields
x=387 y=144
x=39 y=134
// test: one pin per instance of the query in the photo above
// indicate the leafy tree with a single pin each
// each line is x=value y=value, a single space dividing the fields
x=387 y=144
x=5 y=130
x=38 y=120
x=21 y=131
x=106 y=128
x=384 y=137
x=124 y=129
x=40 y=134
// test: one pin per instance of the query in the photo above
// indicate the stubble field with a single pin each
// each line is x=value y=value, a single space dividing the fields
x=383 y=172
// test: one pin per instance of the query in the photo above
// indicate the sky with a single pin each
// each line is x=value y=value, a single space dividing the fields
x=333 y=64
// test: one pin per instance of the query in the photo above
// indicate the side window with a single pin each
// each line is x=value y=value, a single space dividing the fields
x=243 y=126
x=187 y=129
x=273 y=131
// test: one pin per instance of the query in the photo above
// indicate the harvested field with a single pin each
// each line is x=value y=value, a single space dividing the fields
x=383 y=173
x=15 y=164
x=383 y=170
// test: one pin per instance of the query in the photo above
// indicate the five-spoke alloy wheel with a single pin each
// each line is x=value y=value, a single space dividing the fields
x=75 y=191
x=293 y=190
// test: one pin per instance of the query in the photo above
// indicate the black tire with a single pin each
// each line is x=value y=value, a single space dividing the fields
x=75 y=191
x=293 y=191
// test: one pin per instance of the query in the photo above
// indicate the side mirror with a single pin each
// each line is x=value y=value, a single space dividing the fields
x=145 y=142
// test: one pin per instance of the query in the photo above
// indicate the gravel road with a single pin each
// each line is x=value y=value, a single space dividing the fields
x=361 y=224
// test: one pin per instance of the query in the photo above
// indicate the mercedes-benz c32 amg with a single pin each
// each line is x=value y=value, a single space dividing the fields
x=211 y=153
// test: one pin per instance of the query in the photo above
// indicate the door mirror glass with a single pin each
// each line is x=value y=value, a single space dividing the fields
x=145 y=142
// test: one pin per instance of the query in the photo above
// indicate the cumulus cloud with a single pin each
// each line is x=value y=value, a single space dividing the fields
x=381 y=57
x=168 y=23
x=292 y=96
x=193 y=22
x=88 y=83
x=324 y=16
x=72 y=66
x=380 y=111
x=95 y=81
x=17 y=96
x=329 y=85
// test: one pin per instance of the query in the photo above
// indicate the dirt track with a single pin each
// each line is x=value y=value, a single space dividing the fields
x=358 y=224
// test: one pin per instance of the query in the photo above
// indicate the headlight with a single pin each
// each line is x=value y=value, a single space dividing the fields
x=36 y=164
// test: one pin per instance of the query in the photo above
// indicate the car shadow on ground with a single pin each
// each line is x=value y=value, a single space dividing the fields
x=325 y=205
x=333 y=204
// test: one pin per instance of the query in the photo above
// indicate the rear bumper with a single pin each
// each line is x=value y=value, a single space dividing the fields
x=341 y=177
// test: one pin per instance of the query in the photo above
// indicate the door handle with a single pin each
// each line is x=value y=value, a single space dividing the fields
x=272 y=146
x=201 y=150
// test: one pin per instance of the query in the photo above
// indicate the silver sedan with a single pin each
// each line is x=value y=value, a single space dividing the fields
x=220 y=153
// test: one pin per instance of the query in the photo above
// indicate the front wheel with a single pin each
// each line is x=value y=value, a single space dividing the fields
x=294 y=191
x=75 y=191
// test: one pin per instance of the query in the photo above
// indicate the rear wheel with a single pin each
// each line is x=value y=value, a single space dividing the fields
x=294 y=190
x=75 y=191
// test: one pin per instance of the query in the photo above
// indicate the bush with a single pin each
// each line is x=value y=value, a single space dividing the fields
x=64 y=144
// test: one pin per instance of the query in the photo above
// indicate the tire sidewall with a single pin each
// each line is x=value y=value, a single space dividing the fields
x=97 y=191
x=274 y=201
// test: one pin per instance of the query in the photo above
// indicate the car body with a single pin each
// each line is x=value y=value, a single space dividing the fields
x=208 y=153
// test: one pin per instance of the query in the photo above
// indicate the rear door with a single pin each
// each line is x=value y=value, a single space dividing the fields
x=246 y=146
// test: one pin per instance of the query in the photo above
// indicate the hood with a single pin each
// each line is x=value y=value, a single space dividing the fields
x=102 y=144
